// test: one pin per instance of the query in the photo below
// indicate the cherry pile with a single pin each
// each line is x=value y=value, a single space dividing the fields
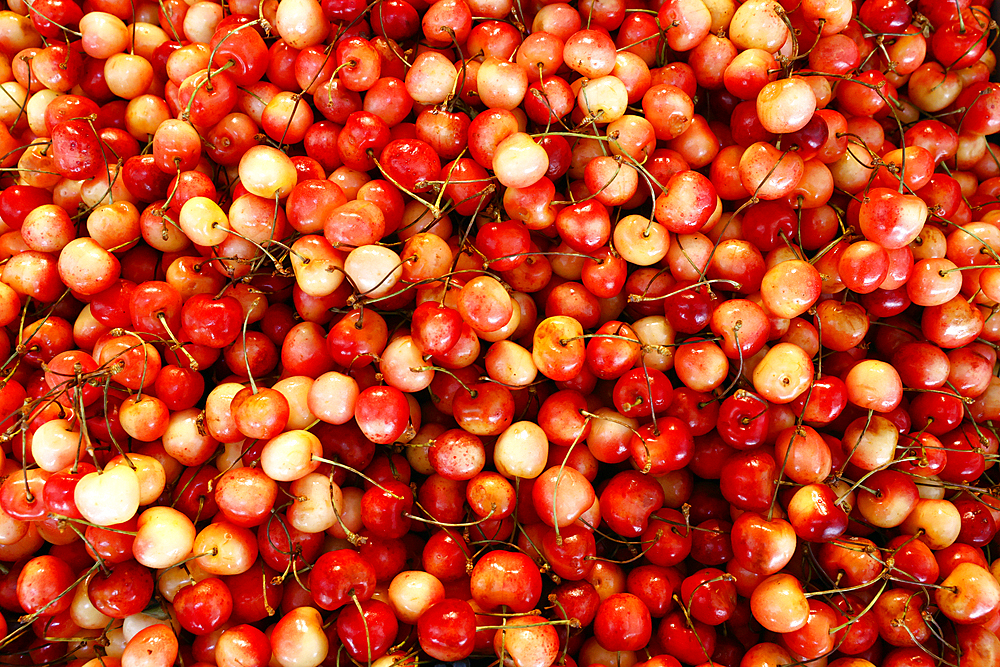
x=604 y=333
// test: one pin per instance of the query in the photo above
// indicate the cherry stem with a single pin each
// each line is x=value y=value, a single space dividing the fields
x=636 y=298
x=423 y=369
x=177 y=345
x=206 y=82
x=368 y=638
x=857 y=617
x=487 y=263
x=360 y=474
x=555 y=487
x=636 y=554
x=466 y=524
x=572 y=622
x=566 y=341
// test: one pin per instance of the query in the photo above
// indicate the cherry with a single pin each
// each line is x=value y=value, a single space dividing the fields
x=748 y=479
x=357 y=337
x=338 y=577
x=445 y=556
x=255 y=593
x=570 y=552
x=623 y=623
x=506 y=578
x=690 y=643
x=125 y=590
x=662 y=446
x=212 y=322
x=382 y=413
x=446 y=631
x=241 y=642
x=435 y=328
x=280 y=544
x=744 y=420
x=762 y=545
x=814 y=514
x=642 y=393
x=41 y=584
x=203 y=607
x=385 y=509
x=630 y=499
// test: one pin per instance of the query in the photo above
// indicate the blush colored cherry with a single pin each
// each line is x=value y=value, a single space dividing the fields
x=41 y=584
x=261 y=414
x=212 y=322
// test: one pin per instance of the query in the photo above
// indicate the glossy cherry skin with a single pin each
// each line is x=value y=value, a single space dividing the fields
x=340 y=575
x=126 y=590
x=447 y=631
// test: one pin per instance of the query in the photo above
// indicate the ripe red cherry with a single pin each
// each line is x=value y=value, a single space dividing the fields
x=662 y=446
x=212 y=322
x=623 y=623
x=339 y=576
x=367 y=630
x=385 y=509
x=41 y=584
x=628 y=501
x=203 y=607
x=641 y=393
x=125 y=590
x=447 y=630
x=709 y=595
x=506 y=578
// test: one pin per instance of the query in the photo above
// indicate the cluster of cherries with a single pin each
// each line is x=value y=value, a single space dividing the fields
x=605 y=333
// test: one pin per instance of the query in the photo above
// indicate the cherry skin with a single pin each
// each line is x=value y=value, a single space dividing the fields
x=41 y=583
x=126 y=590
x=203 y=607
x=368 y=632
x=623 y=623
x=628 y=501
x=446 y=631
x=506 y=578
x=340 y=575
